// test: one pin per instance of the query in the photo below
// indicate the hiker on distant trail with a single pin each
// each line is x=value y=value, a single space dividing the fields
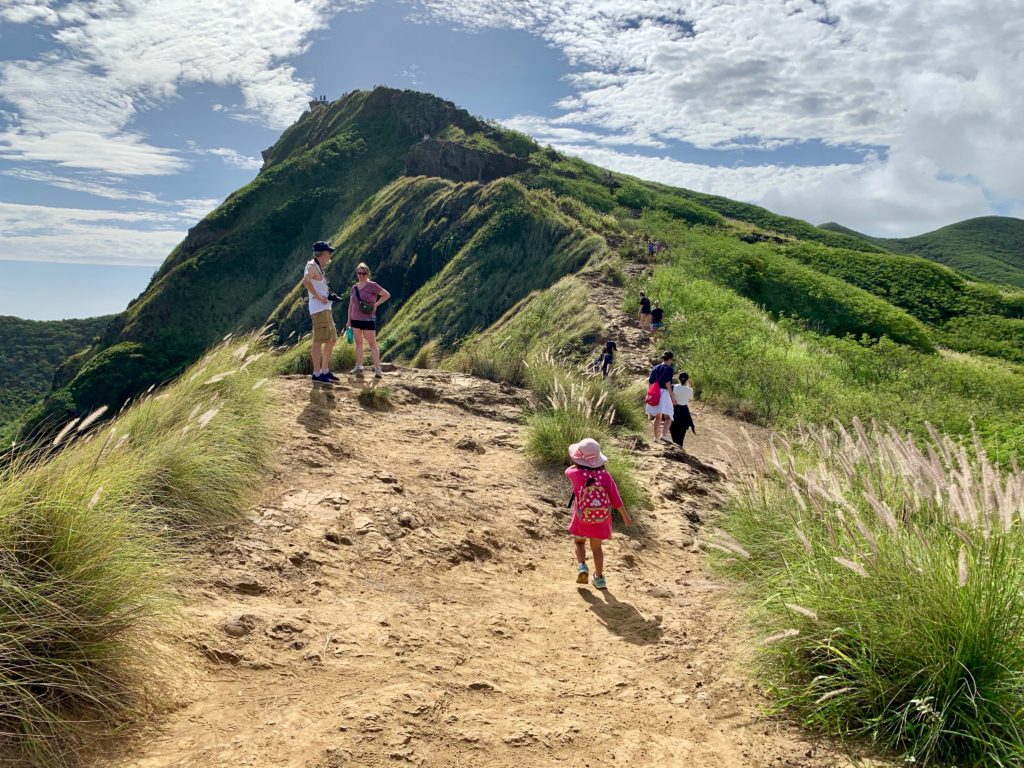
x=645 y=312
x=659 y=401
x=651 y=248
x=657 y=321
x=364 y=298
x=324 y=333
x=607 y=357
x=682 y=394
x=594 y=495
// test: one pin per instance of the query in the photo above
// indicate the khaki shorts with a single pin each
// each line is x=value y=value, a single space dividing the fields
x=323 y=327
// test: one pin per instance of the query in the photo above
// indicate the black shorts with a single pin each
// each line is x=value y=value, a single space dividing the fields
x=364 y=325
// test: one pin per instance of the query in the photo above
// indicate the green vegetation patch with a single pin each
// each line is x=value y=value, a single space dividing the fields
x=30 y=353
x=86 y=548
x=778 y=372
x=890 y=592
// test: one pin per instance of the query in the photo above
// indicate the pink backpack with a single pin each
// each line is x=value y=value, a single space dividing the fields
x=593 y=504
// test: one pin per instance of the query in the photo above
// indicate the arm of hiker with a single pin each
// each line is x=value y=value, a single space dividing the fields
x=625 y=517
x=382 y=297
x=307 y=282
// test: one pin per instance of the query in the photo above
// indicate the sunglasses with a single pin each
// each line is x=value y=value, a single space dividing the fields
x=362 y=272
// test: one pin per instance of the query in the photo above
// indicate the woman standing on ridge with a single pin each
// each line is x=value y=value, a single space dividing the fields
x=363 y=300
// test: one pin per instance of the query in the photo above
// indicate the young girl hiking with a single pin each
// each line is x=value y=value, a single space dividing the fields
x=594 y=495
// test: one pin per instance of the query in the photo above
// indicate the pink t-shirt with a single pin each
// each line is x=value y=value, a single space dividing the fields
x=578 y=478
x=368 y=293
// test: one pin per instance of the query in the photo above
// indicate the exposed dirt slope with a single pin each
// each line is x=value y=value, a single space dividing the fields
x=404 y=594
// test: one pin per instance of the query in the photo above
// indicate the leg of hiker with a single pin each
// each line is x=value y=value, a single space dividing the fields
x=314 y=352
x=325 y=358
x=581 y=560
x=656 y=426
x=598 y=552
x=371 y=338
x=358 y=336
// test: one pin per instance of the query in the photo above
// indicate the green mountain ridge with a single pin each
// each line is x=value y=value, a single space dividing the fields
x=987 y=248
x=464 y=221
x=31 y=352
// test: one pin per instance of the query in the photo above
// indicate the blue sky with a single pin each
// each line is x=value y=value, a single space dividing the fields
x=122 y=122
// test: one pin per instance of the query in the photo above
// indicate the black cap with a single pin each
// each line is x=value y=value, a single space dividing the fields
x=320 y=245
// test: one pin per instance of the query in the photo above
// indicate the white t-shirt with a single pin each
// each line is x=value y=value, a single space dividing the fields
x=317 y=277
x=682 y=394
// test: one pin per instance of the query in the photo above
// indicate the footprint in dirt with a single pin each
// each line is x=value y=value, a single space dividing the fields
x=623 y=619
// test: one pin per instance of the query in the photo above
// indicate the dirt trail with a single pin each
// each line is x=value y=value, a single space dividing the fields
x=404 y=594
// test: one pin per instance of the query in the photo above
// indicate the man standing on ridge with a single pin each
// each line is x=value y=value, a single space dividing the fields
x=324 y=333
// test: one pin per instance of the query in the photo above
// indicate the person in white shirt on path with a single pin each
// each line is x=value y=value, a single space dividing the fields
x=682 y=394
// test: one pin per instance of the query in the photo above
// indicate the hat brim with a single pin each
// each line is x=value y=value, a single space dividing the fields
x=587 y=461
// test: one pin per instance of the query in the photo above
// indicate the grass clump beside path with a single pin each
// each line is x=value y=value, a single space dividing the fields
x=86 y=549
x=572 y=409
x=890 y=580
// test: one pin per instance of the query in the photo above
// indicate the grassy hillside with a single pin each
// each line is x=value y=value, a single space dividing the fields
x=989 y=248
x=462 y=221
x=30 y=353
x=236 y=267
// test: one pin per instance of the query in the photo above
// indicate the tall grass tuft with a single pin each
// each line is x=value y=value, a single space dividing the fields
x=85 y=555
x=572 y=410
x=298 y=361
x=891 y=576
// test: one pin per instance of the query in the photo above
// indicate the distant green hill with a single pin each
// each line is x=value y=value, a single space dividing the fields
x=989 y=248
x=462 y=221
x=30 y=353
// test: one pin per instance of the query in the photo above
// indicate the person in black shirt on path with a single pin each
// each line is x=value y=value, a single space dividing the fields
x=645 y=312
x=608 y=357
x=657 y=321
x=661 y=414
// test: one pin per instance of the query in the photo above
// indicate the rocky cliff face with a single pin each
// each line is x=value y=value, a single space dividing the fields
x=457 y=162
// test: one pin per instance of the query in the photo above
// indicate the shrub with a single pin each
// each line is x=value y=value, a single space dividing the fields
x=892 y=587
x=297 y=359
x=569 y=414
x=427 y=356
x=375 y=398
x=84 y=553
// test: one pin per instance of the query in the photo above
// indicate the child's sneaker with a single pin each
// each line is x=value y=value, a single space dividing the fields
x=582 y=574
x=357 y=371
x=378 y=373
x=600 y=583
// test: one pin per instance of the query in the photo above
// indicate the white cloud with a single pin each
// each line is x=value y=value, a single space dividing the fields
x=893 y=198
x=231 y=157
x=75 y=106
x=87 y=236
x=27 y=12
x=76 y=184
x=936 y=84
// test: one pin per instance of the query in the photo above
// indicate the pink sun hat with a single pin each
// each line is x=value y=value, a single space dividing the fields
x=587 y=452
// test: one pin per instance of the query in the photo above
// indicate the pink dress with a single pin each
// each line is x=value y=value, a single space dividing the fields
x=578 y=527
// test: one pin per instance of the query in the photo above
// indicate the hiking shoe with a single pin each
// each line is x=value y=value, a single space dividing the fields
x=320 y=378
x=582 y=574
x=600 y=583
x=378 y=373
x=357 y=371
x=666 y=439
x=330 y=377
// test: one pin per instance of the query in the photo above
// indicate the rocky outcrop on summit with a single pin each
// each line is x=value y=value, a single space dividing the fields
x=457 y=162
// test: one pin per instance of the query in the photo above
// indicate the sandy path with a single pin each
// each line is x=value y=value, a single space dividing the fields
x=405 y=594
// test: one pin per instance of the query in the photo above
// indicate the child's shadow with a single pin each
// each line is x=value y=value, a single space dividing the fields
x=623 y=619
